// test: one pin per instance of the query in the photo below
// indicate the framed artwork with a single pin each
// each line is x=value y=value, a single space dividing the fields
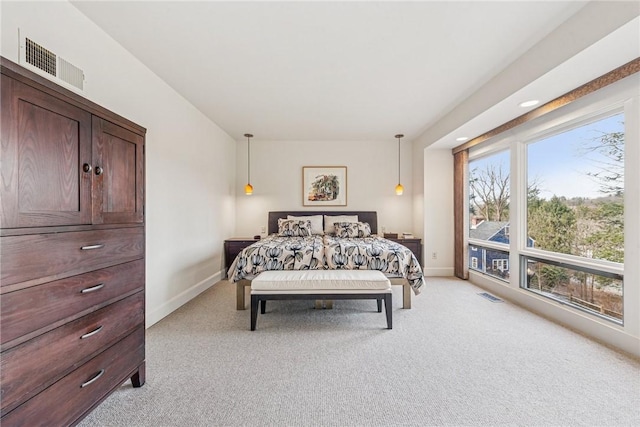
x=324 y=186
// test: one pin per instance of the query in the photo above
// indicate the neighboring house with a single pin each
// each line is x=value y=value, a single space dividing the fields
x=491 y=261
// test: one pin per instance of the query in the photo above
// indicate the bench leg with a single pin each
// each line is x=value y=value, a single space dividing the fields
x=263 y=306
x=379 y=301
x=254 y=311
x=388 y=307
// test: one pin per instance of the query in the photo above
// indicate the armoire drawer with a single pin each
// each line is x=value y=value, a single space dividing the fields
x=44 y=306
x=39 y=258
x=50 y=356
x=68 y=399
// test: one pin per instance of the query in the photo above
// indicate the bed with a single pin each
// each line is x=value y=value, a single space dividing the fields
x=354 y=247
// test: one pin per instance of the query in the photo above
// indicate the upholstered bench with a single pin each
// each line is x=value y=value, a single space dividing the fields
x=241 y=285
x=320 y=285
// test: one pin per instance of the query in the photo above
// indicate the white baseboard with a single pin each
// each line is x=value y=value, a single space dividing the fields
x=181 y=299
x=438 y=272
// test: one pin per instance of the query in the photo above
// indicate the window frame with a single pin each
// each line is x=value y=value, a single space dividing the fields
x=584 y=117
x=603 y=103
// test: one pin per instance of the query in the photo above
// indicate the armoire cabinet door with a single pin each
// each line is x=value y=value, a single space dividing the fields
x=45 y=144
x=118 y=182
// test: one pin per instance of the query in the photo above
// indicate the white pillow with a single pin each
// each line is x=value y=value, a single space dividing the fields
x=316 y=222
x=330 y=219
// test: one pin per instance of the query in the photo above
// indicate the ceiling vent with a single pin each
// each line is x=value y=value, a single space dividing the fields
x=44 y=60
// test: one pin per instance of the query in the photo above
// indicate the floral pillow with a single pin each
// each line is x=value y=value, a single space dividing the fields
x=316 y=222
x=293 y=228
x=330 y=219
x=352 y=229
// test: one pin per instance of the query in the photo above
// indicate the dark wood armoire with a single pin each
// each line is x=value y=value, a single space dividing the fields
x=72 y=251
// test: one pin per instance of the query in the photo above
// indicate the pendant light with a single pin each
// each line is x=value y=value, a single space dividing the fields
x=399 y=187
x=248 y=189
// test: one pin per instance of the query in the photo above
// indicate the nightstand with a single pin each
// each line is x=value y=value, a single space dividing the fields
x=232 y=247
x=414 y=245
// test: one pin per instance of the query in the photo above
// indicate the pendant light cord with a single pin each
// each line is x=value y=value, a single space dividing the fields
x=398 y=160
x=399 y=136
x=249 y=136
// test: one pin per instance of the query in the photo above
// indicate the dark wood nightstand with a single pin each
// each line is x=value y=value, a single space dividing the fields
x=232 y=247
x=414 y=245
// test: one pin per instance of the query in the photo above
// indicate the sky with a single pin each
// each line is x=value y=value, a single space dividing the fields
x=559 y=163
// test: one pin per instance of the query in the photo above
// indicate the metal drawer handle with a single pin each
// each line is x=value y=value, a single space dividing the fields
x=94 y=379
x=87 y=335
x=93 y=288
x=89 y=247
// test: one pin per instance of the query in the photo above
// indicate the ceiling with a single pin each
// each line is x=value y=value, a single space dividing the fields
x=326 y=70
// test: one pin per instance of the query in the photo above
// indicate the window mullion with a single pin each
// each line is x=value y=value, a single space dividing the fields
x=517 y=210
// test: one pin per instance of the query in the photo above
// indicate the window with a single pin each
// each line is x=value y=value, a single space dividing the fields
x=501 y=265
x=575 y=213
x=489 y=197
x=474 y=263
x=489 y=194
x=575 y=199
x=585 y=289
x=492 y=262
x=569 y=231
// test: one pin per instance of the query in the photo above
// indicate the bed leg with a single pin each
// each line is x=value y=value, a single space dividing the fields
x=240 y=295
x=254 y=311
x=406 y=296
x=388 y=307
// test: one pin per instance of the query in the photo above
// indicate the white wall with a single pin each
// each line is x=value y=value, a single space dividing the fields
x=276 y=175
x=438 y=212
x=190 y=161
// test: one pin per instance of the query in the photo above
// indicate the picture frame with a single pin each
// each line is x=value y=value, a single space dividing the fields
x=324 y=186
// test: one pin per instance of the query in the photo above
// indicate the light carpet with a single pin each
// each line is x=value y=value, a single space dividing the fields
x=455 y=358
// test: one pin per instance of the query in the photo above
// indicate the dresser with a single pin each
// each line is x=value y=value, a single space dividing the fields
x=72 y=240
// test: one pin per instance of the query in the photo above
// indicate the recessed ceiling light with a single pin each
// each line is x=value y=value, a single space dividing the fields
x=462 y=138
x=529 y=103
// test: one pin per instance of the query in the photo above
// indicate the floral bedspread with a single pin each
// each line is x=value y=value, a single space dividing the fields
x=278 y=253
x=374 y=253
x=328 y=252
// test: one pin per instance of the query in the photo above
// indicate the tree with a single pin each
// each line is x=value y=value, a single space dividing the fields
x=551 y=276
x=552 y=224
x=611 y=168
x=601 y=225
x=489 y=190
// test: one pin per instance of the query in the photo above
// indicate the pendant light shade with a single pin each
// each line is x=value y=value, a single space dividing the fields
x=248 y=189
x=399 y=187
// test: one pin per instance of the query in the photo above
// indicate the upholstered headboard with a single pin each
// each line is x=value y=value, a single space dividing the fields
x=363 y=216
